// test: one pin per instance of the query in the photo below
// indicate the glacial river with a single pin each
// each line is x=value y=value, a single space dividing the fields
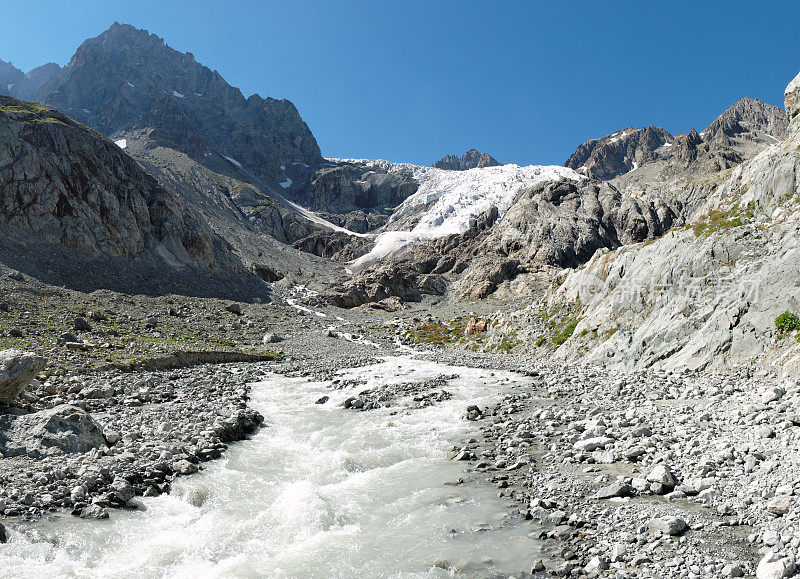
x=320 y=491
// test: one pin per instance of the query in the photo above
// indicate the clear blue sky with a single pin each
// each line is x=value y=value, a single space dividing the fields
x=413 y=80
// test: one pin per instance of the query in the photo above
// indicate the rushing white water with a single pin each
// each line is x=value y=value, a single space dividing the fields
x=320 y=491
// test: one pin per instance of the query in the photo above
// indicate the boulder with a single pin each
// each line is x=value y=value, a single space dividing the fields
x=64 y=428
x=772 y=566
x=17 y=369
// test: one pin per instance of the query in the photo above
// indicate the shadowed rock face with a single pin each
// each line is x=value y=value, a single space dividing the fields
x=70 y=187
x=21 y=86
x=352 y=187
x=472 y=159
x=115 y=78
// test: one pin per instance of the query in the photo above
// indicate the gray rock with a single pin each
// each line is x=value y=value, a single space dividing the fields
x=669 y=525
x=234 y=308
x=3 y=534
x=616 y=489
x=780 y=505
x=66 y=428
x=122 y=490
x=271 y=338
x=17 y=369
x=791 y=100
x=773 y=566
x=663 y=476
x=67 y=337
x=184 y=467
x=93 y=512
x=81 y=325
x=590 y=444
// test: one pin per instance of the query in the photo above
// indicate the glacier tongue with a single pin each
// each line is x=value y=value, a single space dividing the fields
x=452 y=198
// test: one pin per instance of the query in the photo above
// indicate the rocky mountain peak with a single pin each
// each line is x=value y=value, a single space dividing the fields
x=619 y=152
x=748 y=115
x=120 y=76
x=791 y=99
x=9 y=76
x=472 y=159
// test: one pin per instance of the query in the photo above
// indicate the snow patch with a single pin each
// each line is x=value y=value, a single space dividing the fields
x=122 y=143
x=286 y=184
x=177 y=94
x=234 y=161
x=130 y=84
x=10 y=86
x=87 y=111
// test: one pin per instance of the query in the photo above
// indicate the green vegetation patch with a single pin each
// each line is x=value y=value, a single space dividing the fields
x=786 y=322
x=718 y=220
x=564 y=330
x=438 y=333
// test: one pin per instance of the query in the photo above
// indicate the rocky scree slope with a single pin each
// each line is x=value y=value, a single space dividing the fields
x=704 y=296
x=122 y=74
x=68 y=189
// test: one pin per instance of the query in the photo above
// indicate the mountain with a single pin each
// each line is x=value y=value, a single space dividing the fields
x=472 y=159
x=125 y=74
x=739 y=132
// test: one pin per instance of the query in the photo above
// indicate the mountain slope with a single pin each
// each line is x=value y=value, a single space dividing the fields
x=69 y=191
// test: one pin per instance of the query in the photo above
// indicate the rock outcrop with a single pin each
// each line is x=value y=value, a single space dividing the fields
x=349 y=187
x=472 y=159
x=792 y=103
x=618 y=152
x=704 y=296
x=17 y=369
x=69 y=186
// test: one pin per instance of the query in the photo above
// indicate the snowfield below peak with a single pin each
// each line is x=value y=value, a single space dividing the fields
x=447 y=201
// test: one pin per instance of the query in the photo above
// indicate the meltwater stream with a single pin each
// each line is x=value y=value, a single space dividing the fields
x=320 y=491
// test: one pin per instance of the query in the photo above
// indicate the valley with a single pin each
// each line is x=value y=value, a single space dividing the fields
x=223 y=354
